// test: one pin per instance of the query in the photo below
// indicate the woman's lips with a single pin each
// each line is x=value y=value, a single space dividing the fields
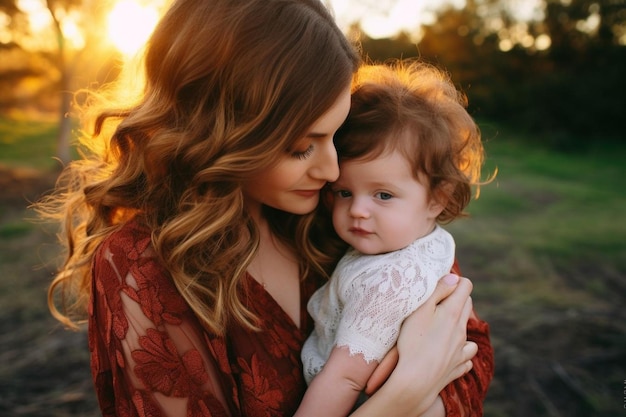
x=307 y=193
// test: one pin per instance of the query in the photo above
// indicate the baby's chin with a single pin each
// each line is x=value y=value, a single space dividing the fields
x=370 y=248
x=374 y=246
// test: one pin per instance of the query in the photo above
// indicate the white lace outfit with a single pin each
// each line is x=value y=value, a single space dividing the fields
x=369 y=296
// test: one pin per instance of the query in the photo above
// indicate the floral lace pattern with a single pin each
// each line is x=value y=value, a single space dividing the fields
x=151 y=357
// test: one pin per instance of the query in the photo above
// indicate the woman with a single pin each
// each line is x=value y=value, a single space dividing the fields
x=192 y=233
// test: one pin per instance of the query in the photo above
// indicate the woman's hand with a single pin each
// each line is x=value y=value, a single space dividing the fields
x=438 y=330
x=432 y=352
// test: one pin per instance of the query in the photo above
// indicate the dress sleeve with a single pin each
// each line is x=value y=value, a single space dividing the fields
x=149 y=356
x=464 y=397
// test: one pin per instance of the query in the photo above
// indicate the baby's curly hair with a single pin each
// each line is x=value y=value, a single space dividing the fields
x=413 y=107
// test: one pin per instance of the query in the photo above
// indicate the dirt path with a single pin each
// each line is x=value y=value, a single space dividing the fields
x=44 y=370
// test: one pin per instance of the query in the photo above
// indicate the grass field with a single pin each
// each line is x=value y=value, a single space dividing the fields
x=545 y=246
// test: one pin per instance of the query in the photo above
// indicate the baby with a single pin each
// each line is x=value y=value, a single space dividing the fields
x=409 y=156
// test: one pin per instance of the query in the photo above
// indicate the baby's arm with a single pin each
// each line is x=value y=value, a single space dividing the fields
x=336 y=388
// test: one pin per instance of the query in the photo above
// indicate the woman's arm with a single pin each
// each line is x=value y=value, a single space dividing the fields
x=433 y=351
x=146 y=351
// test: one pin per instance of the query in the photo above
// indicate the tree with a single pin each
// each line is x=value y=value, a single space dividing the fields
x=566 y=93
x=67 y=57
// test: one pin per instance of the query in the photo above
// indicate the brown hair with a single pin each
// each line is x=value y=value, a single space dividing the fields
x=230 y=86
x=413 y=107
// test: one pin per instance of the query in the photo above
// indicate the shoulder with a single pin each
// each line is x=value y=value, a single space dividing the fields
x=126 y=263
x=128 y=249
x=443 y=234
x=438 y=243
x=131 y=240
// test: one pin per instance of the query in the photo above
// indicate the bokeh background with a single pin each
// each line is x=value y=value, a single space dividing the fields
x=545 y=244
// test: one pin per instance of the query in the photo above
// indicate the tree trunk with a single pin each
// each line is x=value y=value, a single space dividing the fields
x=65 y=127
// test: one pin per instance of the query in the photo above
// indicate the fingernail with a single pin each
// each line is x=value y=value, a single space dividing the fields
x=451 y=279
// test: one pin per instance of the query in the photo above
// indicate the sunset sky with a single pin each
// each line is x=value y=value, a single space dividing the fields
x=383 y=18
x=130 y=22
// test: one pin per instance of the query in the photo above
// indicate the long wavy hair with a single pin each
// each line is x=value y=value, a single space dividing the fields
x=230 y=85
x=411 y=106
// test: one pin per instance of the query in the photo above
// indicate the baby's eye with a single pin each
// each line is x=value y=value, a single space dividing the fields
x=384 y=196
x=343 y=193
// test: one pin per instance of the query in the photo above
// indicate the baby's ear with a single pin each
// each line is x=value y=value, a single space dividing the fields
x=439 y=198
x=435 y=207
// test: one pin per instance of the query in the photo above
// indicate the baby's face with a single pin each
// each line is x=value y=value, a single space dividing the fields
x=379 y=206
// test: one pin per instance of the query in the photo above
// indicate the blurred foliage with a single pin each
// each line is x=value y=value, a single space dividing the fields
x=41 y=69
x=28 y=144
x=574 y=88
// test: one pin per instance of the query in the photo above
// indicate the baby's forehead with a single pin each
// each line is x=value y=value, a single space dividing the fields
x=385 y=146
x=379 y=166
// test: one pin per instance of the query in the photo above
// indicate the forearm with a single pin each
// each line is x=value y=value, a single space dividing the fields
x=437 y=409
x=400 y=396
x=334 y=391
x=328 y=397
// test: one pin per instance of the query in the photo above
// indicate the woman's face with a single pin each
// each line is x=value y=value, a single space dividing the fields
x=294 y=183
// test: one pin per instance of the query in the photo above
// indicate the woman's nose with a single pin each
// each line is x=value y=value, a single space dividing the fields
x=326 y=166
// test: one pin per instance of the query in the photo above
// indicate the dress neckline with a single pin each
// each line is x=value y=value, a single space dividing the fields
x=258 y=290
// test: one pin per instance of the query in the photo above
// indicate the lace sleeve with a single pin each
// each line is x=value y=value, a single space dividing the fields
x=378 y=300
x=148 y=355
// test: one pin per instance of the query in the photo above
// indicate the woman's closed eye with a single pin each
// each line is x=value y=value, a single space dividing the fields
x=303 y=154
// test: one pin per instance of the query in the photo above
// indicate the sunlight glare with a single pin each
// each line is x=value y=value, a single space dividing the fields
x=72 y=33
x=543 y=42
x=38 y=15
x=130 y=25
x=377 y=26
x=5 y=33
x=384 y=18
x=591 y=24
x=41 y=35
x=527 y=10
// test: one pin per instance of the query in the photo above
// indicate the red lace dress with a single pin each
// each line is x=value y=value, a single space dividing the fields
x=151 y=357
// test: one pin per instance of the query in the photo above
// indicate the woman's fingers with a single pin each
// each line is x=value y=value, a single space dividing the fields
x=468 y=352
x=445 y=286
x=438 y=331
x=468 y=309
x=382 y=371
x=462 y=291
